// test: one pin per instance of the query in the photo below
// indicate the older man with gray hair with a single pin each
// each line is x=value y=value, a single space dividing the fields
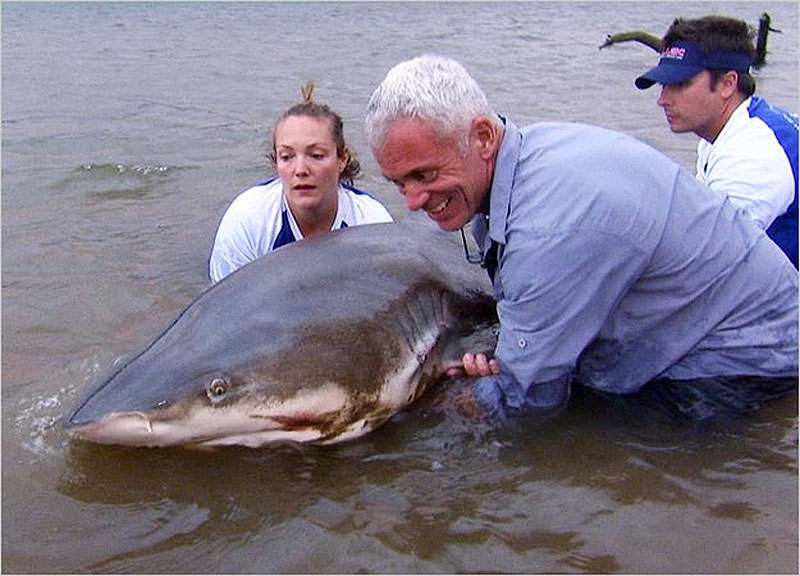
x=612 y=266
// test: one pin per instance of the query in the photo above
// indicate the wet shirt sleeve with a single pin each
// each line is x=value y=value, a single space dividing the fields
x=558 y=290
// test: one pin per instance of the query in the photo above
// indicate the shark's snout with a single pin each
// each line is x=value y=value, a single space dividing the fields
x=133 y=428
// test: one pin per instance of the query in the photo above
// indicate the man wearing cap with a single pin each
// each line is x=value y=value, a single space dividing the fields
x=747 y=148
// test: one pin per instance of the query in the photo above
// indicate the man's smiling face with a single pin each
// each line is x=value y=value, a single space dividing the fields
x=433 y=174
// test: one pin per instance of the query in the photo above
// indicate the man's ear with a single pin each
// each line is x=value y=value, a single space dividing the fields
x=486 y=136
x=728 y=84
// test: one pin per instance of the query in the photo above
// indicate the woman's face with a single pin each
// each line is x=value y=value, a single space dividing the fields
x=308 y=163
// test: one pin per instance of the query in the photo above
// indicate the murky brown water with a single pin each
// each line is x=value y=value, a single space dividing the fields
x=126 y=130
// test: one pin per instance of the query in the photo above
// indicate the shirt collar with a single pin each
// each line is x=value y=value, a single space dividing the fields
x=503 y=180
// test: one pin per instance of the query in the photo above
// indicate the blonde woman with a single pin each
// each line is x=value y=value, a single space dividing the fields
x=311 y=195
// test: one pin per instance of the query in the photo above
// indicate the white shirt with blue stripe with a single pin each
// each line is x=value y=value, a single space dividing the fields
x=259 y=221
x=754 y=161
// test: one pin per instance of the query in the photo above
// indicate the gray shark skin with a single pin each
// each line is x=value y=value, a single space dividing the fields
x=320 y=341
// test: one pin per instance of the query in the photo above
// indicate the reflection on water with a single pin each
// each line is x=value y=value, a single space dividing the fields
x=127 y=132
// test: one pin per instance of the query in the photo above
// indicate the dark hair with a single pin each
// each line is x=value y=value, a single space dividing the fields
x=309 y=107
x=717 y=33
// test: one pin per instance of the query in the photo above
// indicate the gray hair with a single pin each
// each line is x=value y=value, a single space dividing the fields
x=432 y=88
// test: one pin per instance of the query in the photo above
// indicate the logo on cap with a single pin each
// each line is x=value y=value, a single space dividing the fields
x=674 y=53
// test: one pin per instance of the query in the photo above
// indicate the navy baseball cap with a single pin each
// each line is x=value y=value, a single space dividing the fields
x=683 y=60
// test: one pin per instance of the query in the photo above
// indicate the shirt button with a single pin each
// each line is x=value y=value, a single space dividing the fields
x=522 y=342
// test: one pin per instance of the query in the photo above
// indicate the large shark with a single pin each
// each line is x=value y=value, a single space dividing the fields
x=320 y=341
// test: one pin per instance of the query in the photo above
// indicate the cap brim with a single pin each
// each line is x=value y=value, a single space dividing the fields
x=643 y=82
x=666 y=73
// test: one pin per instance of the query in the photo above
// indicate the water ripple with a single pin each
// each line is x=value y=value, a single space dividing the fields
x=111 y=169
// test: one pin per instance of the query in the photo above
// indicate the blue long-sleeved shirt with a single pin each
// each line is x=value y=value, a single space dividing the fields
x=617 y=267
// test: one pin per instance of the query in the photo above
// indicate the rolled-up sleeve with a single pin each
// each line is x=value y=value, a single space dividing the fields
x=502 y=396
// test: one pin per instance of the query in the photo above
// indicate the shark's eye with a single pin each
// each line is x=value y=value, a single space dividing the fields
x=216 y=390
